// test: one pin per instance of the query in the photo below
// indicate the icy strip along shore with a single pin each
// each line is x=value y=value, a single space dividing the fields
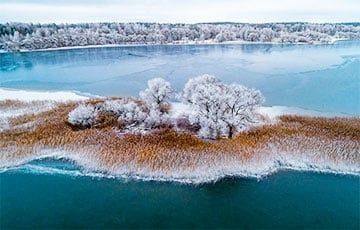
x=206 y=173
x=300 y=143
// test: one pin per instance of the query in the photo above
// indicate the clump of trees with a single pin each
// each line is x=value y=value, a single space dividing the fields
x=127 y=111
x=216 y=109
x=151 y=111
x=220 y=109
x=29 y=36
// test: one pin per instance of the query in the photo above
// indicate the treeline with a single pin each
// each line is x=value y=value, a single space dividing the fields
x=29 y=36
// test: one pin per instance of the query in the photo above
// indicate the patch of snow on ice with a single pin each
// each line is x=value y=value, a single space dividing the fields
x=28 y=96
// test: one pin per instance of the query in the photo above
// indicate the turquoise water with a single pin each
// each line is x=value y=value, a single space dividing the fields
x=54 y=194
x=284 y=200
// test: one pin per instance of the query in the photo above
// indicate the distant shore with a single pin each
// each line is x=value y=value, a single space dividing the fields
x=187 y=43
x=39 y=36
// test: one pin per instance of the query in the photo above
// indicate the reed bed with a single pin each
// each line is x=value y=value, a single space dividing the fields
x=336 y=140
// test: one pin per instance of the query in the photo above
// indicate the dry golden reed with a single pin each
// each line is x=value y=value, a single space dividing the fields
x=334 y=138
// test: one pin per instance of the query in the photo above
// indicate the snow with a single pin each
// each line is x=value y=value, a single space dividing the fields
x=179 y=109
x=29 y=96
x=272 y=112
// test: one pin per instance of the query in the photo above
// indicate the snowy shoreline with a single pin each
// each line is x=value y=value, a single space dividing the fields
x=191 y=43
x=90 y=167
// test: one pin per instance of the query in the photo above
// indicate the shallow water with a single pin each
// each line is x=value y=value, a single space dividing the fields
x=316 y=77
x=54 y=194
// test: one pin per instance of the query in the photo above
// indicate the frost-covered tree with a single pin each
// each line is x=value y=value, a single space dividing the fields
x=127 y=111
x=83 y=116
x=158 y=93
x=218 y=108
x=193 y=84
x=204 y=96
x=156 y=98
x=148 y=113
x=133 y=114
x=238 y=107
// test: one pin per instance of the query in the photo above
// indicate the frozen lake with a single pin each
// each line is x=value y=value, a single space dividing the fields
x=316 y=77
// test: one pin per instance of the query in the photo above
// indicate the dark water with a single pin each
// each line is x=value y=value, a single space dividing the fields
x=285 y=200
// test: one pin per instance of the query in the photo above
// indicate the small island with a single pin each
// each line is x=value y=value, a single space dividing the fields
x=215 y=130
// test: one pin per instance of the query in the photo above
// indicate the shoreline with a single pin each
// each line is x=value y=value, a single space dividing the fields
x=205 y=43
x=90 y=168
x=28 y=168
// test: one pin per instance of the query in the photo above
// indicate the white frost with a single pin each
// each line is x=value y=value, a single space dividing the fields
x=83 y=115
x=220 y=109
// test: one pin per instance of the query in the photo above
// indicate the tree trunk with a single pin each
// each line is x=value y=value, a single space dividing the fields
x=231 y=132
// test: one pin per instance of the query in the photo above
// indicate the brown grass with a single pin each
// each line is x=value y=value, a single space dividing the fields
x=335 y=138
